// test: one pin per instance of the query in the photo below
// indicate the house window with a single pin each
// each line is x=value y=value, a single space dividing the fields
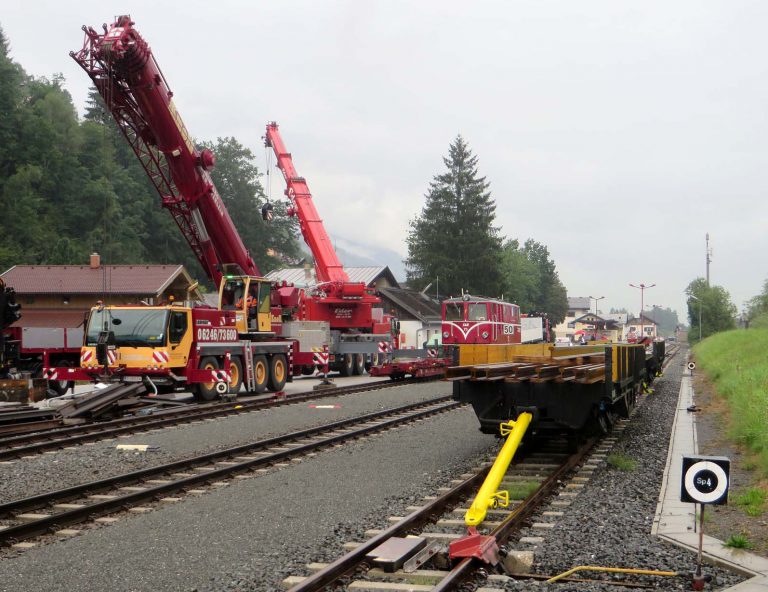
x=65 y=299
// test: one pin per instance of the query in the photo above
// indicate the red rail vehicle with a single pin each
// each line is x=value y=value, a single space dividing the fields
x=252 y=338
x=358 y=328
x=468 y=320
x=27 y=350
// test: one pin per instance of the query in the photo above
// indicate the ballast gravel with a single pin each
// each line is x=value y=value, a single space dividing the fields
x=252 y=533
x=90 y=462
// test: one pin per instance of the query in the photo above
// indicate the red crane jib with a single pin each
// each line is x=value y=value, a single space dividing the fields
x=331 y=277
x=125 y=72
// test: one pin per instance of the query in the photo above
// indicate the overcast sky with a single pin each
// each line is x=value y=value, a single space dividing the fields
x=615 y=133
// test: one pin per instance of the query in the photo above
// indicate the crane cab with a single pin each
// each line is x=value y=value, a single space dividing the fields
x=249 y=298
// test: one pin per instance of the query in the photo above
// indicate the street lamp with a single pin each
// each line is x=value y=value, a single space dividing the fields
x=700 y=303
x=596 y=298
x=642 y=288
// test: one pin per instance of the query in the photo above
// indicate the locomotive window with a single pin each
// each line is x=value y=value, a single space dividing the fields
x=454 y=311
x=478 y=312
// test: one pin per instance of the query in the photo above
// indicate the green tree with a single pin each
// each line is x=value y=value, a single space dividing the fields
x=531 y=280
x=453 y=238
x=665 y=319
x=713 y=305
x=757 y=309
x=11 y=78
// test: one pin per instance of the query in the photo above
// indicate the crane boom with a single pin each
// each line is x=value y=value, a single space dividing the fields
x=328 y=268
x=126 y=75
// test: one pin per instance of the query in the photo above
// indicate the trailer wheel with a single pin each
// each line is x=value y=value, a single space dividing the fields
x=260 y=373
x=278 y=373
x=347 y=364
x=206 y=391
x=61 y=386
x=235 y=374
x=358 y=364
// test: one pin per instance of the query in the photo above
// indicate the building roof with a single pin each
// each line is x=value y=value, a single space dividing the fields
x=418 y=304
x=619 y=317
x=304 y=277
x=84 y=279
x=636 y=321
x=578 y=303
x=600 y=320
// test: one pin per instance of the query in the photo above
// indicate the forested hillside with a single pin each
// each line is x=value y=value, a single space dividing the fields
x=71 y=186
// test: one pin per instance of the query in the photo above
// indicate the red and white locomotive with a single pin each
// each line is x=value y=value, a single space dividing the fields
x=472 y=319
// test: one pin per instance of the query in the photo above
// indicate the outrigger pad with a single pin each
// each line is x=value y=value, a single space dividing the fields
x=393 y=553
x=482 y=547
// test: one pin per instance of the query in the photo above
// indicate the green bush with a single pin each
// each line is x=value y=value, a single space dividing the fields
x=737 y=363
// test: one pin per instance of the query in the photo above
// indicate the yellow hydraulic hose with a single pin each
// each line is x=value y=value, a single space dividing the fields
x=627 y=570
x=489 y=495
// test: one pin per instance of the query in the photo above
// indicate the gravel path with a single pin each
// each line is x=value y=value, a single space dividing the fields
x=252 y=533
x=80 y=464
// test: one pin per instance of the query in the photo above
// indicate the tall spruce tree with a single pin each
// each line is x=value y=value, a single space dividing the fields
x=453 y=241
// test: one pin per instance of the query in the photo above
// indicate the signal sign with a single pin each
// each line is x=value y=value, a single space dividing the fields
x=691 y=365
x=705 y=480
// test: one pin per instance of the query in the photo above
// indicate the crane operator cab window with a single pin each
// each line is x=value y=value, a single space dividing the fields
x=231 y=293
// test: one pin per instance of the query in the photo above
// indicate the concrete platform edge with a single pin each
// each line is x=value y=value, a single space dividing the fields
x=675 y=522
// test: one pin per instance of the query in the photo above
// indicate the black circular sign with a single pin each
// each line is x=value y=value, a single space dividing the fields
x=706 y=482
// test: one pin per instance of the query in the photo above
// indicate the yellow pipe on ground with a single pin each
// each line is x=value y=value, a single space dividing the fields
x=489 y=495
x=628 y=570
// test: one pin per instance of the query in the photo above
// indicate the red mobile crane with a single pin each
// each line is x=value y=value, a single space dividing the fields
x=168 y=344
x=359 y=328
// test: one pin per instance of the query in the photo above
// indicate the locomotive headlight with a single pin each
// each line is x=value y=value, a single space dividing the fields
x=485 y=334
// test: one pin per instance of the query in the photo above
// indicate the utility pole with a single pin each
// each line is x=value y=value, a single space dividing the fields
x=596 y=298
x=642 y=288
x=709 y=259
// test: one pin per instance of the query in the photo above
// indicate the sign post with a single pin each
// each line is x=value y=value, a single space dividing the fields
x=704 y=481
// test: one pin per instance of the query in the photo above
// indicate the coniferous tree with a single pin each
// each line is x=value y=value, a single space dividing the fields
x=453 y=241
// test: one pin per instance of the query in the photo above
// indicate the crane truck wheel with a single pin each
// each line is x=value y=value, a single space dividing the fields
x=206 y=391
x=61 y=386
x=347 y=364
x=278 y=373
x=235 y=374
x=358 y=364
x=260 y=373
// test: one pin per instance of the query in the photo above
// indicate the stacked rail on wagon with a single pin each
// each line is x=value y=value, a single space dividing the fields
x=571 y=389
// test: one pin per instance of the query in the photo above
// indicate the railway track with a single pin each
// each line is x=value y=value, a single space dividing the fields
x=56 y=439
x=50 y=513
x=439 y=521
x=435 y=522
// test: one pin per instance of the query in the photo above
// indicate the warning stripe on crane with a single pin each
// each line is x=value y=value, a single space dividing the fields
x=160 y=356
x=320 y=358
x=385 y=347
x=86 y=356
x=221 y=376
x=50 y=373
x=431 y=352
x=111 y=357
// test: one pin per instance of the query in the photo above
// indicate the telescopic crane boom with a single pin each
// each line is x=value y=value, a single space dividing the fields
x=330 y=273
x=133 y=87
